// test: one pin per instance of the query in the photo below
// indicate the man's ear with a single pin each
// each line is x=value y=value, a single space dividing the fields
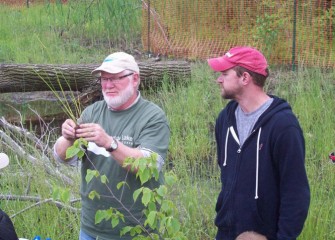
x=246 y=78
x=136 y=78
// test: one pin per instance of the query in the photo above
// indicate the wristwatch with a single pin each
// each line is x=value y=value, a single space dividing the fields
x=113 y=146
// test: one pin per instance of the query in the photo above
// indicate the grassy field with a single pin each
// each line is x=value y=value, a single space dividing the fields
x=86 y=33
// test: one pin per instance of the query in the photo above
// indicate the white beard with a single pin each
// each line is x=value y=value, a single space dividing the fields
x=124 y=96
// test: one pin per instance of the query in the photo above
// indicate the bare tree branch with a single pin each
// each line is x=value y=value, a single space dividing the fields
x=51 y=167
x=39 y=202
x=16 y=147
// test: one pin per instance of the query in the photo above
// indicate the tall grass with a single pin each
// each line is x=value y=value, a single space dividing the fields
x=315 y=107
x=310 y=92
x=81 y=31
x=191 y=106
x=191 y=109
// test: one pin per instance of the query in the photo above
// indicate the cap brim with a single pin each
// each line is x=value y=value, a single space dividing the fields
x=220 y=64
x=4 y=160
x=109 y=69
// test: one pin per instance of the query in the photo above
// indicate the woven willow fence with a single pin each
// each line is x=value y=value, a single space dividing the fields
x=287 y=32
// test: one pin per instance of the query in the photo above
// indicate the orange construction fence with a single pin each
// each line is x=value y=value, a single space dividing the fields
x=287 y=32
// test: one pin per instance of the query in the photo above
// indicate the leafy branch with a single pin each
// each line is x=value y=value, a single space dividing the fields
x=160 y=219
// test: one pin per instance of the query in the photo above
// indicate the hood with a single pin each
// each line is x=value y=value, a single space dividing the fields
x=278 y=105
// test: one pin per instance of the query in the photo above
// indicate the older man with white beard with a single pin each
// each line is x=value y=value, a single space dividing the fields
x=120 y=126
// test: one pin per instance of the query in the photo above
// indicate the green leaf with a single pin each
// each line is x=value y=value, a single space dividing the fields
x=142 y=164
x=82 y=142
x=81 y=154
x=104 y=179
x=121 y=216
x=170 y=179
x=162 y=190
x=172 y=225
x=135 y=162
x=128 y=162
x=77 y=149
x=144 y=175
x=151 y=220
x=137 y=193
x=166 y=206
x=93 y=194
x=65 y=195
x=136 y=230
x=152 y=206
x=90 y=174
x=100 y=215
x=147 y=193
x=120 y=184
x=162 y=224
x=125 y=230
x=155 y=173
x=72 y=151
x=158 y=199
x=175 y=225
x=115 y=221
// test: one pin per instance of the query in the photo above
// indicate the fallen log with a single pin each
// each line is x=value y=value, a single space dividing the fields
x=35 y=109
x=38 y=77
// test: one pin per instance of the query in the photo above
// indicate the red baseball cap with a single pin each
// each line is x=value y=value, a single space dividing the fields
x=246 y=57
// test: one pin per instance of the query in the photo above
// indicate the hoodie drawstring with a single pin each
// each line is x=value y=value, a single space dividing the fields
x=257 y=162
x=225 y=149
x=230 y=129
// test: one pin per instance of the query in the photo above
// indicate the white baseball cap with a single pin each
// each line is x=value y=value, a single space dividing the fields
x=4 y=160
x=117 y=62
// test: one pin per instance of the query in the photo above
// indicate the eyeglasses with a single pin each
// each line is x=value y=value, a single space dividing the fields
x=114 y=80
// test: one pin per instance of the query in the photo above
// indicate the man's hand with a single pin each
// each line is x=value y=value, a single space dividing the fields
x=69 y=130
x=67 y=139
x=93 y=132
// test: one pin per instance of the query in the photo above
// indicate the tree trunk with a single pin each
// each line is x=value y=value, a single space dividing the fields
x=37 y=77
